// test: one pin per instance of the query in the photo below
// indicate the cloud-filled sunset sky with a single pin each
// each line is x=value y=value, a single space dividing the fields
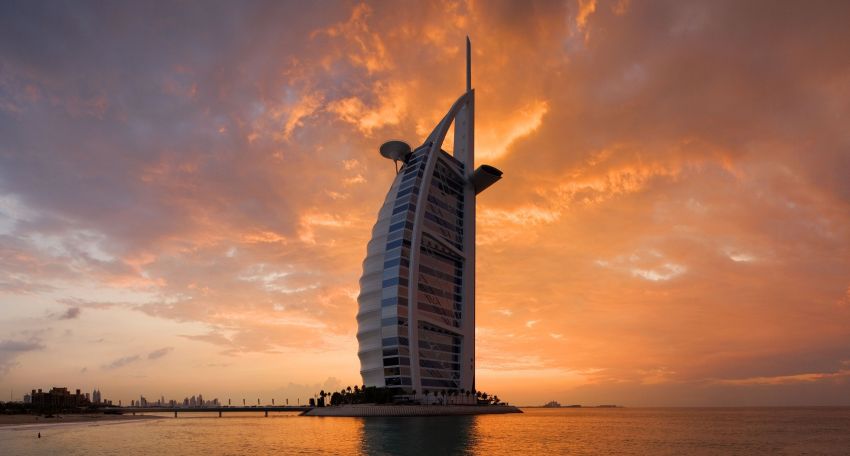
x=187 y=190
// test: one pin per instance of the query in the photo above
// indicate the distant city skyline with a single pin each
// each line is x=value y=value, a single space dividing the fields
x=186 y=191
x=195 y=400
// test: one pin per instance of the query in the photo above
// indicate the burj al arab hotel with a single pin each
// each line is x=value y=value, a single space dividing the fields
x=416 y=317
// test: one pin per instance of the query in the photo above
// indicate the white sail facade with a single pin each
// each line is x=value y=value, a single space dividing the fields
x=416 y=319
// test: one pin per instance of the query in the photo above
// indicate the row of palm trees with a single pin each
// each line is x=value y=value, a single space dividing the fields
x=447 y=395
x=359 y=395
x=362 y=394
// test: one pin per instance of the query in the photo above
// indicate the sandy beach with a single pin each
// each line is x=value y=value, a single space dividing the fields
x=18 y=420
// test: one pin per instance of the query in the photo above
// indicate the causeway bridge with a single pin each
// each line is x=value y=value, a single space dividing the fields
x=265 y=409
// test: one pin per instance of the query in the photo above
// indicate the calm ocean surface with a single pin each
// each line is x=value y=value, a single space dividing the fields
x=643 y=431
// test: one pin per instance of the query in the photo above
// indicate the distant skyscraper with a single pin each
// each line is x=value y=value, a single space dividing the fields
x=416 y=318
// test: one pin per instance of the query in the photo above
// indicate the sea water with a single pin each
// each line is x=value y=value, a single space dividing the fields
x=629 y=431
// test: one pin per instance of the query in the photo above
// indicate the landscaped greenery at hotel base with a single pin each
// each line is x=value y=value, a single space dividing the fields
x=376 y=395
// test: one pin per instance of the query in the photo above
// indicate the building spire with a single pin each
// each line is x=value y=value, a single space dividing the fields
x=468 y=64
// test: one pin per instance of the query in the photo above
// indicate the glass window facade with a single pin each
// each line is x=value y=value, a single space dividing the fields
x=438 y=286
x=396 y=273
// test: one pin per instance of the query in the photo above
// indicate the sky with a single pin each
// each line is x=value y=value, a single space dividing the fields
x=187 y=190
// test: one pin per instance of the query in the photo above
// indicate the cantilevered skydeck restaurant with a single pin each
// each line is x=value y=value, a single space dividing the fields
x=416 y=319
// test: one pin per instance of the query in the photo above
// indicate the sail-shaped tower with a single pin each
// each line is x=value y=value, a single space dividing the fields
x=416 y=318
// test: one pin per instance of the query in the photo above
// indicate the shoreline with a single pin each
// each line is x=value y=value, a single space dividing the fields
x=36 y=421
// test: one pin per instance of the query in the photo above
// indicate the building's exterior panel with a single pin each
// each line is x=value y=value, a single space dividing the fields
x=371 y=295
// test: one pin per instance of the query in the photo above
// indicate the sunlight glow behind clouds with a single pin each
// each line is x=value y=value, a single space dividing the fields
x=666 y=271
x=493 y=144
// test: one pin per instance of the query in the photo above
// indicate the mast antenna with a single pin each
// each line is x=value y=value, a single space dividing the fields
x=468 y=65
